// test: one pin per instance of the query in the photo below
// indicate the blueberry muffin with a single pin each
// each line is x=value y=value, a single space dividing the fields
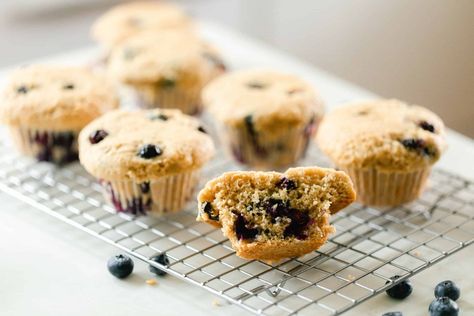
x=126 y=20
x=148 y=161
x=166 y=69
x=269 y=215
x=45 y=107
x=265 y=118
x=387 y=147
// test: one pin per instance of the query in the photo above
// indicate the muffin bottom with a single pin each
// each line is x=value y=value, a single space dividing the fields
x=265 y=152
x=59 y=147
x=382 y=188
x=165 y=195
x=152 y=96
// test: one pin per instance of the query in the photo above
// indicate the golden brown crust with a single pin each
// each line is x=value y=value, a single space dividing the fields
x=154 y=57
x=371 y=135
x=272 y=98
x=184 y=147
x=55 y=97
x=318 y=192
x=126 y=20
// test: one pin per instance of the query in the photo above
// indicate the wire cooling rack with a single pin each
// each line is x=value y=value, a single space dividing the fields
x=370 y=246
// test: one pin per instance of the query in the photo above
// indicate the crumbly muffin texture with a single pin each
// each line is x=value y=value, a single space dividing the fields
x=55 y=97
x=129 y=19
x=143 y=145
x=271 y=99
x=167 y=59
x=383 y=134
x=271 y=215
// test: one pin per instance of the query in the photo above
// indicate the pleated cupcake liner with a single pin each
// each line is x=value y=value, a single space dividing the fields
x=262 y=150
x=58 y=147
x=165 y=195
x=187 y=100
x=388 y=188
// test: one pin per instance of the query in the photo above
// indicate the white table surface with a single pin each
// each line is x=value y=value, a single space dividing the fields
x=50 y=268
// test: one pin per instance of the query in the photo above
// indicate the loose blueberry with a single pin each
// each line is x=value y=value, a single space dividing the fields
x=68 y=86
x=401 y=290
x=162 y=259
x=427 y=126
x=286 y=184
x=443 y=306
x=22 y=90
x=393 y=314
x=158 y=117
x=97 y=136
x=207 y=208
x=166 y=83
x=120 y=266
x=149 y=151
x=448 y=289
x=202 y=130
x=242 y=230
x=256 y=85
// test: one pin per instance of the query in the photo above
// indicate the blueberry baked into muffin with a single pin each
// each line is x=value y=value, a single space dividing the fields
x=270 y=215
x=127 y=20
x=166 y=69
x=148 y=161
x=386 y=146
x=265 y=118
x=45 y=107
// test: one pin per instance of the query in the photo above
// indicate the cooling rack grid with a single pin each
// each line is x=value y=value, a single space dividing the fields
x=370 y=246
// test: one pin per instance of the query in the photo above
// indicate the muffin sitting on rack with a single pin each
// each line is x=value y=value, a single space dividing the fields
x=148 y=161
x=265 y=118
x=271 y=216
x=387 y=147
x=166 y=69
x=45 y=107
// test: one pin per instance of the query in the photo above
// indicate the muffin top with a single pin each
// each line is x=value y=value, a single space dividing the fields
x=269 y=98
x=126 y=20
x=143 y=145
x=385 y=134
x=167 y=58
x=55 y=97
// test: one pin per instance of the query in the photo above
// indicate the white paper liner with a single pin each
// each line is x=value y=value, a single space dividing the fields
x=384 y=188
x=46 y=145
x=165 y=195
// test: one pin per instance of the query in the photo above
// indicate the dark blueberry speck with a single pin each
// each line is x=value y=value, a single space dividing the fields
x=256 y=85
x=448 y=289
x=68 y=86
x=286 y=183
x=427 y=126
x=298 y=225
x=97 y=136
x=166 y=83
x=207 y=208
x=401 y=290
x=120 y=266
x=22 y=90
x=443 y=306
x=162 y=259
x=276 y=208
x=393 y=314
x=202 y=130
x=158 y=117
x=145 y=187
x=149 y=151
x=242 y=230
